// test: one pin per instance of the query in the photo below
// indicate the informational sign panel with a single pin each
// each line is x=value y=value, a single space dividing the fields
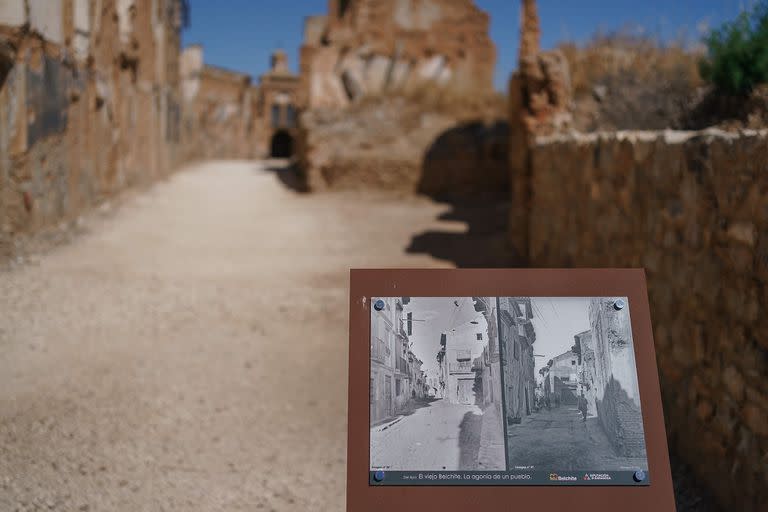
x=495 y=386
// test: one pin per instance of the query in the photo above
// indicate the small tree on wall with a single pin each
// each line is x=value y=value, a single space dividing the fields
x=737 y=52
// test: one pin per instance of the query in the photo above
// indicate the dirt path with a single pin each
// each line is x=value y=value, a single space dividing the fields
x=189 y=352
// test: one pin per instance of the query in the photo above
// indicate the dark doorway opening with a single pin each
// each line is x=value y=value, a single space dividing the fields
x=282 y=145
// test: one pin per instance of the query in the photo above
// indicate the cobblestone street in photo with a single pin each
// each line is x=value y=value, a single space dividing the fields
x=559 y=440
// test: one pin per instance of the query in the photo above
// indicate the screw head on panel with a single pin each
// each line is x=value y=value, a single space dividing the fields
x=639 y=475
x=379 y=476
x=378 y=305
x=619 y=304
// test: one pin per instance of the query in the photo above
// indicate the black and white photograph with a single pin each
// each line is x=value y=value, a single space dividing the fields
x=435 y=395
x=571 y=395
x=504 y=383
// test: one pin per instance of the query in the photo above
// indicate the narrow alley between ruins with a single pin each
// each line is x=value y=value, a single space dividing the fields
x=188 y=349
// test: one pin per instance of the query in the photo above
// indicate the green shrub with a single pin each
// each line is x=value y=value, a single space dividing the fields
x=737 y=52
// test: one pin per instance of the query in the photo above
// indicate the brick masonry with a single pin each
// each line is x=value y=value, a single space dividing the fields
x=692 y=208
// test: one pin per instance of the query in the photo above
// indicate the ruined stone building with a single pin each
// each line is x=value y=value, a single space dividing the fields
x=277 y=106
x=228 y=116
x=369 y=47
x=517 y=336
x=218 y=109
x=488 y=365
x=89 y=104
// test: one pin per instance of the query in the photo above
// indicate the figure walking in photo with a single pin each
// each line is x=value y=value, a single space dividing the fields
x=583 y=407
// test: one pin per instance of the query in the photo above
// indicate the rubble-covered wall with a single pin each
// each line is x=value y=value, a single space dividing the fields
x=89 y=103
x=692 y=208
x=398 y=145
x=218 y=110
x=367 y=47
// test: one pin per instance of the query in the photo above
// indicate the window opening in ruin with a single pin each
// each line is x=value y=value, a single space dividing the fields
x=343 y=6
x=290 y=116
x=276 y=121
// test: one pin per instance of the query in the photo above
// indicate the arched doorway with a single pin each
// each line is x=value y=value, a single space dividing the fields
x=282 y=144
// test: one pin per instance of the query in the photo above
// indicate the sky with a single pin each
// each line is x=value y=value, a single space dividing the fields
x=436 y=315
x=556 y=320
x=241 y=34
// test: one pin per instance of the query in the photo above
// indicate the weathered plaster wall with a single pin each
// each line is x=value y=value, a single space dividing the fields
x=366 y=47
x=692 y=208
x=86 y=109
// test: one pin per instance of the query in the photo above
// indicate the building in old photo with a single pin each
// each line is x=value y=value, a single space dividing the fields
x=585 y=352
x=517 y=336
x=397 y=378
x=617 y=397
x=383 y=353
x=460 y=384
x=369 y=47
x=563 y=378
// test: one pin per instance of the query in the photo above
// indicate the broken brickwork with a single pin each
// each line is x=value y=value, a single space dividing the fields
x=369 y=47
x=89 y=103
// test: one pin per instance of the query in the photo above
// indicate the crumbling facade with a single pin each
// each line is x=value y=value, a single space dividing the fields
x=517 y=337
x=369 y=47
x=226 y=116
x=218 y=109
x=277 y=106
x=89 y=104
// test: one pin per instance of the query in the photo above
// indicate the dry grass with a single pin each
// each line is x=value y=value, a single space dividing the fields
x=626 y=81
x=643 y=58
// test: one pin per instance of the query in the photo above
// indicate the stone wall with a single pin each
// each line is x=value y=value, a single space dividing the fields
x=400 y=146
x=89 y=104
x=399 y=97
x=218 y=110
x=692 y=208
x=617 y=398
x=368 y=47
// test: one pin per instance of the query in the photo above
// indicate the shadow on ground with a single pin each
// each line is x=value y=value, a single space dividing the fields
x=482 y=245
x=287 y=171
x=469 y=440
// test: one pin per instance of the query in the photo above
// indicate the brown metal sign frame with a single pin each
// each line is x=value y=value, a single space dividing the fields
x=630 y=283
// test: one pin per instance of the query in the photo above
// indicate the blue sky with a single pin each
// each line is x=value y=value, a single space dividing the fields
x=241 y=34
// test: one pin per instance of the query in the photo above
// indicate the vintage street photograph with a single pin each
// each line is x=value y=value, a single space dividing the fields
x=571 y=395
x=435 y=393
